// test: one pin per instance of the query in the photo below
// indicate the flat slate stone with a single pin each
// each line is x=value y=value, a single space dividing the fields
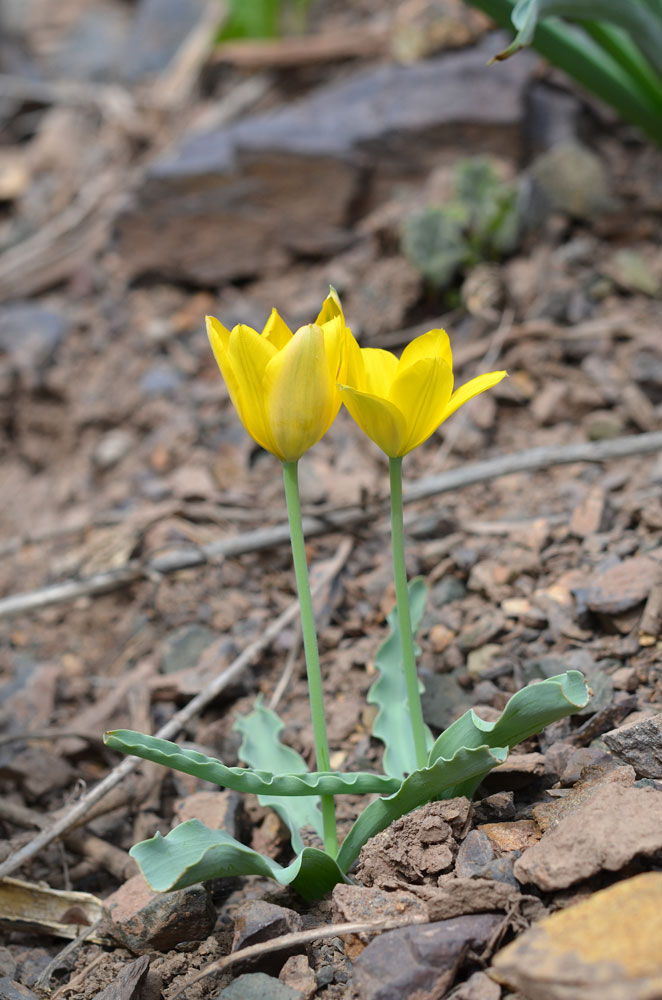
x=249 y=196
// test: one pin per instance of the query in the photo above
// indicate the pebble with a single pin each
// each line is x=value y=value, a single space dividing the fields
x=7 y=963
x=416 y=959
x=217 y=810
x=258 y=986
x=143 y=920
x=30 y=335
x=605 y=946
x=495 y=808
x=569 y=178
x=480 y=660
x=184 y=647
x=256 y=921
x=475 y=852
x=639 y=744
x=298 y=975
x=507 y=837
x=112 y=448
x=11 y=990
x=161 y=380
x=450 y=588
x=477 y=987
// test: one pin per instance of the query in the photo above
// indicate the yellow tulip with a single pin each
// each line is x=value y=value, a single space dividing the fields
x=400 y=403
x=283 y=385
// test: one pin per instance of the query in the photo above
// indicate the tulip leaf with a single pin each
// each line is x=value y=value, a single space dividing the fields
x=193 y=853
x=261 y=746
x=243 y=779
x=437 y=781
x=527 y=712
x=393 y=724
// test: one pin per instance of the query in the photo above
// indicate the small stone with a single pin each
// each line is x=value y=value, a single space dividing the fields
x=475 y=851
x=495 y=808
x=418 y=959
x=506 y=837
x=258 y=986
x=498 y=870
x=160 y=381
x=549 y=406
x=130 y=983
x=570 y=178
x=613 y=826
x=602 y=425
x=625 y=679
x=11 y=990
x=639 y=744
x=112 y=448
x=444 y=700
x=7 y=963
x=30 y=335
x=298 y=975
x=256 y=921
x=480 y=632
x=480 y=660
x=217 y=810
x=623 y=586
x=440 y=638
x=144 y=920
x=184 y=647
x=449 y=588
x=477 y=987
x=591 y=514
x=605 y=946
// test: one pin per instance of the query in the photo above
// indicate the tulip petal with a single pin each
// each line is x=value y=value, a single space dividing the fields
x=377 y=417
x=219 y=338
x=249 y=354
x=470 y=389
x=379 y=368
x=276 y=331
x=433 y=344
x=301 y=398
x=422 y=392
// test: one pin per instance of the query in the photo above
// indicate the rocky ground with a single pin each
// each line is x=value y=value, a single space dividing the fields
x=145 y=182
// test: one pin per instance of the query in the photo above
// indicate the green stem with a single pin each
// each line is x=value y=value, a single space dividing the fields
x=315 y=694
x=404 y=615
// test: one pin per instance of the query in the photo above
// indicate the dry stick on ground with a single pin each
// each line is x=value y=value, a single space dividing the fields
x=347 y=518
x=298 y=938
x=82 y=808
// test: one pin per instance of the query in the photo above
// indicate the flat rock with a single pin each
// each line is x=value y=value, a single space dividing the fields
x=143 y=920
x=604 y=948
x=420 y=960
x=358 y=903
x=622 y=587
x=606 y=832
x=258 y=986
x=639 y=744
x=263 y=182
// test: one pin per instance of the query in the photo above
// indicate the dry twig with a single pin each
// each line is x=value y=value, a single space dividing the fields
x=344 y=519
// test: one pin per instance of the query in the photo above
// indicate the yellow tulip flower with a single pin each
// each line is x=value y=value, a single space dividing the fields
x=400 y=403
x=283 y=385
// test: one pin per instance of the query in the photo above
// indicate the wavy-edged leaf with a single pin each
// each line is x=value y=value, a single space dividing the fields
x=527 y=712
x=243 y=779
x=389 y=692
x=429 y=784
x=193 y=853
x=261 y=746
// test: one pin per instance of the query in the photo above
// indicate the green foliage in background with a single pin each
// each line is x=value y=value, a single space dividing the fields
x=263 y=19
x=613 y=48
x=479 y=223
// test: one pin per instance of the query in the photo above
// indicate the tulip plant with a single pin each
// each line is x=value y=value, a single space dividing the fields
x=287 y=389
